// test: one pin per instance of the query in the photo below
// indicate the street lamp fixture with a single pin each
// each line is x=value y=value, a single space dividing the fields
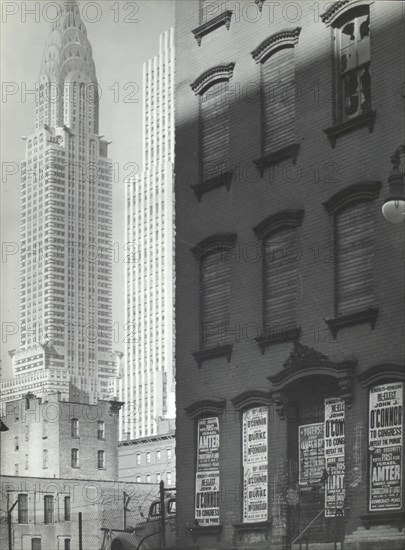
x=393 y=208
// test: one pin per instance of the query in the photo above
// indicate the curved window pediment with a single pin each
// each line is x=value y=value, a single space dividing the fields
x=220 y=73
x=274 y=43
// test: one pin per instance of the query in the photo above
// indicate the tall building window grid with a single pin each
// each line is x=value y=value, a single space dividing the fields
x=146 y=277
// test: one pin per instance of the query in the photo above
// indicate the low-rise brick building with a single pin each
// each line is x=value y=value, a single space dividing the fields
x=289 y=303
x=149 y=459
x=45 y=512
x=60 y=439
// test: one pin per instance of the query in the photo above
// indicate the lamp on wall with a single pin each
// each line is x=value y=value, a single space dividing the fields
x=393 y=208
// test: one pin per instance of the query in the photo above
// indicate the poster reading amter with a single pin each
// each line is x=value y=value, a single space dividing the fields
x=207 y=477
x=386 y=446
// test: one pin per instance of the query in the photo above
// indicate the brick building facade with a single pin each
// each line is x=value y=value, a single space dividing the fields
x=149 y=459
x=59 y=439
x=289 y=304
x=46 y=511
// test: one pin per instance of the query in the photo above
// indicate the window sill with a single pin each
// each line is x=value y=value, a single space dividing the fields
x=75 y=467
x=75 y=436
x=290 y=152
x=263 y=526
x=358 y=318
x=101 y=439
x=280 y=337
x=212 y=24
x=366 y=119
x=212 y=353
x=222 y=180
x=197 y=530
x=395 y=518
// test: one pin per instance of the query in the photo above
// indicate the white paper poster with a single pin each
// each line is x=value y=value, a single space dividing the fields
x=255 y=464
x=334 y=431
x=207 y=476
x=386 y=446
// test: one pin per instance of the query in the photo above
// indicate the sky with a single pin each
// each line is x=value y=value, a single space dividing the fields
x=123 y=35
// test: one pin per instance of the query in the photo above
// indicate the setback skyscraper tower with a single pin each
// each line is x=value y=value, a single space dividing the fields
x=66 y=229
x=147 y=384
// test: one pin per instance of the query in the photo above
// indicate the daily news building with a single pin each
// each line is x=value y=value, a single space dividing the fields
x=289 y=304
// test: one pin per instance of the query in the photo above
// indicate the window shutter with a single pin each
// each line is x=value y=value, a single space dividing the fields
x=281 y=280
x=355 y=282
x=215 y=129
x=216 y=279
x=278 y=100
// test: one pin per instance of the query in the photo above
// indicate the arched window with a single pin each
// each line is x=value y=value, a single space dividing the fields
x=212 y=88
x=352 y=33
x=276 y=56
x=215 y=256
x=353 y=210
x=281 y=258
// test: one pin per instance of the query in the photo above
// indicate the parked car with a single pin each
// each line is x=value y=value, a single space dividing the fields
x=147 y=534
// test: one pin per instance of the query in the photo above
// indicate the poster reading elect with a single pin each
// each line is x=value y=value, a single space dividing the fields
x=386 y=444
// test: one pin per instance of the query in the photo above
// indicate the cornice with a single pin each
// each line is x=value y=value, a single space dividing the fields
x=367 y=190
x=380 y=373
x=219 y=241
x=305 y=362
x=208 y=78
x=206 y=407
x=275 y=42
x=214 y=23
x=251 y=398
x=278 y=221
x=334 y=11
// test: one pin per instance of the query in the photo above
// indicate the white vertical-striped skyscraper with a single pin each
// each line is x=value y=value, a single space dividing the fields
x=147 y=383
x=66 y=229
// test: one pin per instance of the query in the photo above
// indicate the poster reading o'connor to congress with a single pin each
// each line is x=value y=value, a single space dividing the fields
x=207 y=476
x=334 y=430
x=386 y=445
x=255 y=464
x=311 y=453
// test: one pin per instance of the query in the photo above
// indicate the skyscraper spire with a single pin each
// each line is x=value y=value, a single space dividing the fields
x=67 y=58
x=66 y=229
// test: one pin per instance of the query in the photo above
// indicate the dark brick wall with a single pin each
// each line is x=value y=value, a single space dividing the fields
x=358 y=156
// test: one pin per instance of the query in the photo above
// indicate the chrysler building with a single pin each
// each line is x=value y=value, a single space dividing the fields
x=66 y=229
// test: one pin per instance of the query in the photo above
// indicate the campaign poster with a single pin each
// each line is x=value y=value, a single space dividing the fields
x=335 y=487
x=255 y=428
x=207 y=498
x=334 y=433
x=208 y=444
x=385 y=479
x=207 y=476
x=311 y=453
x=255 y=488
x=334 y=427
x=386 y=446
x=386 y=416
